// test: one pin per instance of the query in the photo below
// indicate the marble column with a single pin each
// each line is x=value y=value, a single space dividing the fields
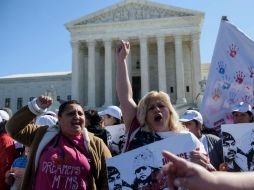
x=75 y=76
x=180 y=89
x=161 y=63
x=91 y=73
x=108 y=73
x=144 y=66
x=196 y=64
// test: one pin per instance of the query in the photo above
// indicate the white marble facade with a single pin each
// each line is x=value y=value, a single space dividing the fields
x=17 y=90
x=165 y=52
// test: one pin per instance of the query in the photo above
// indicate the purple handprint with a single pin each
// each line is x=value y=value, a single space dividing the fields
x=233 y=49
x=251 y=72
x=246 y=99
x=231 y=97
x=239 y=77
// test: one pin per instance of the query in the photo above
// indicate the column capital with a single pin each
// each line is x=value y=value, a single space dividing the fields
x=195 y=36
x=178 y=37
x=91 y=42
x=143 y=39
x=107 y=42
x=160 y=37
x=75 y=44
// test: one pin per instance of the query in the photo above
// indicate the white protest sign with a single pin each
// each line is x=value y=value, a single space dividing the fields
x=116 y=138
x=138 y=168
x=238 y=146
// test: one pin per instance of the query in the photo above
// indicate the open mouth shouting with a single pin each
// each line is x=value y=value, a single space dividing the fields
x=158 y=118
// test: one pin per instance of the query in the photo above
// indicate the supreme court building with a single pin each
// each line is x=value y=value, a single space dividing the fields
x=165 y=53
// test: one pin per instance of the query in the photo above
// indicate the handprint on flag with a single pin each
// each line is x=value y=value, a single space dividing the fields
x=239 y=77
x=221 y=67
x=233 y=49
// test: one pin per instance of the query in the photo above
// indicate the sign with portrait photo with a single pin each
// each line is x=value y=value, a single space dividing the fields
x=137 y=169
x=116 y=138
x=238 y=146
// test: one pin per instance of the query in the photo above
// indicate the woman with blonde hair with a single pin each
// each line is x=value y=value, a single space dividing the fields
x=154 y=118
x=142 y=109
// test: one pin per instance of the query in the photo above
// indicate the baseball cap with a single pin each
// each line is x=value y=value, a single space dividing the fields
x=190 y=115
x=4 y=115
x=113 y=111
x=143 y=159
x=242 y=107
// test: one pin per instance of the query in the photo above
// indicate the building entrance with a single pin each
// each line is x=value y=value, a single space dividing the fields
x=136 y=87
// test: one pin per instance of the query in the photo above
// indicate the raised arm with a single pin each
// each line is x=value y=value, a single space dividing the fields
x=20 y=126
x=123 y=85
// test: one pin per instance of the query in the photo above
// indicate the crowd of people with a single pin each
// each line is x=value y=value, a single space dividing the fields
x=68 y=149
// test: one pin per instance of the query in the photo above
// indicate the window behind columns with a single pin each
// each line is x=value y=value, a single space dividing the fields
x=136 y=88
x=19 y=103
x=187 y=89
x=137 y=64
x=7 y=103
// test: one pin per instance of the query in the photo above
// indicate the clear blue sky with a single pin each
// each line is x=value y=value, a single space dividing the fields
x=33 y=38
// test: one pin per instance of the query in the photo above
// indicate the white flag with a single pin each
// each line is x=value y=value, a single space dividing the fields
x=231 y=75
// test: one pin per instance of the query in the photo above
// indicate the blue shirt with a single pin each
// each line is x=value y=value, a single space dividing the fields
x=20 y=162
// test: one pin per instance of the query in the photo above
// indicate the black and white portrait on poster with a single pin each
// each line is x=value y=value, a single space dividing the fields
x=116 y=138
x=238 y=146
x=137 y=169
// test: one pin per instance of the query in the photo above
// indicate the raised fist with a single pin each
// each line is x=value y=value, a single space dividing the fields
x=44 y=101
x=122 y=49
